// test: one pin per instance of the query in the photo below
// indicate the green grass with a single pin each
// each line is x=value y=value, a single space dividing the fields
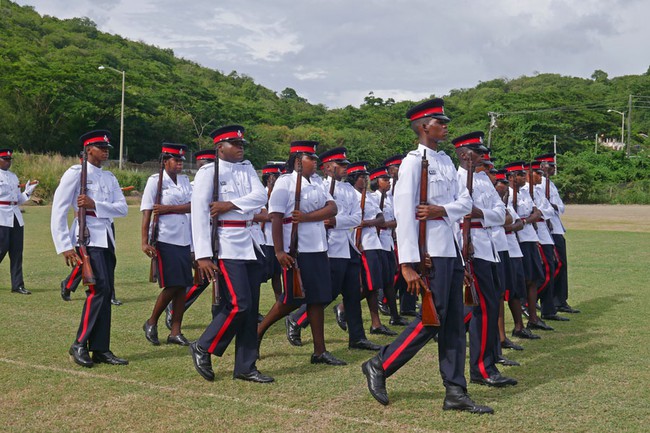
x=590 y=375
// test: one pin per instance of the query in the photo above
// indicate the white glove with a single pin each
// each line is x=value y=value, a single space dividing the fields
x=29 y=187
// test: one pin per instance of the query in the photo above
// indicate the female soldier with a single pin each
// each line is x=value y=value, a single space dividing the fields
x=316 y=206
x=172 y=249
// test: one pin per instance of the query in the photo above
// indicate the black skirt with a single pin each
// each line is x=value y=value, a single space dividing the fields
x=271 y=264
x=174 y=265
x=516 y=280
x=316 y=280
x=532 y=261
x=371 y=270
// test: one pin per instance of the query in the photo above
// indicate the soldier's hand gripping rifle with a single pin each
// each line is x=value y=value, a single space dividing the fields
x=429 y=313
x=153 y=231
x=471 y=297
x=87 y=274
x=298 y=289
x=214 y=236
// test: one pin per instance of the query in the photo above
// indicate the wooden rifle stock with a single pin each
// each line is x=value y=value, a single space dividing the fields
x=298 y=289
x=547 y=192
x=381 y=207
x=359 y=232
x=153 y=231
x=471 y=297
x=332 y=187
x=87 y=274
x=429 y=313
x=214 y=228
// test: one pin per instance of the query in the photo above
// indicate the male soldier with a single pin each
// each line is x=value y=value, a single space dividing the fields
x=561 y=292
x=202 y=157
x=240 y=195
x=12 y=232
x=345 y=261
x=488 y=211
x=103 y=201
x=447 y=203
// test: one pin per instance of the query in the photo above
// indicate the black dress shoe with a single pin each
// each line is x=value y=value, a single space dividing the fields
x=340 y=317
x=496 y=380
x=115 y=301
x=507 y=362
x=21 y=290
x=364 y=344
x=178 y=339
x=382 y=330
x=567 y=309
x=383 y=308
x=539 y=325
x=293 y=332
x=108 y=358
x=525 y=333
x=524 y=311
x=326 y=358
x=456 y=398
x=254 y=376
x=79 y=354
x=168 y=317
x=398 y=321
x=65 y=293
x=151 y=333
x=507 y=344
x=376 y=378
x=555 y=317
x=201 y=360
x=411 y=313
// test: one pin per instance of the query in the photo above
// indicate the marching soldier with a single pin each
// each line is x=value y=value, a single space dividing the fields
x=239 y=263
x=447 y=203
x=561 y=289
x=172 y=250
x=12 y=231
x=103 y=201
x=488 y=211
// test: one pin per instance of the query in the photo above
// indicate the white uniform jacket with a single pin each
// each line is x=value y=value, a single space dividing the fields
x=103 y=188
x=313 y=196
x=369 y=236
x=547 y=210
x=10 y=194
x=486 y=198
x=558 y=227
x=514 y=251
x=173 y=228
x=443 y=190
x=348 y=217
x=239 y=184
x=386 y=234
x=524 y=208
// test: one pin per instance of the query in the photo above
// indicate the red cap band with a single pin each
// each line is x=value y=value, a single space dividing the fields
x=548 y=159
x=271 y=170
x=172 y=151
x=205 y=156
x=308 y=149
x=94 y=140
x=3 y=154
x=333 y=157
x=469 y=141
x=378 y=174
x=357 y=168
x=228 y=135
x=428 y=111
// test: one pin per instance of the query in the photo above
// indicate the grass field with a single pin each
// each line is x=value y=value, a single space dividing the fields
x=591 y=375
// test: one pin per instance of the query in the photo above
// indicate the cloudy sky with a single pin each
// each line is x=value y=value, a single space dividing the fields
x=335 y=52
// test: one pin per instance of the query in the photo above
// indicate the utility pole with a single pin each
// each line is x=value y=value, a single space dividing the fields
x=596 y=144
x=493 y=124
x=629 y=126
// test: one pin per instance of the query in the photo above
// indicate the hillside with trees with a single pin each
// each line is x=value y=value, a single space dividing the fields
x=51 y=91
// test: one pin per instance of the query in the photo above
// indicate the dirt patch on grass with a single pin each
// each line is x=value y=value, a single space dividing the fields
x=627 y=218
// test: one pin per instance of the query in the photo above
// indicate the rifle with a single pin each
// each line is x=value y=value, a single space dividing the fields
x=381 y=207
x=87 y=275
x=268 y=197
x=214 y=226
x=547 y=192
x=298 y=289
x=429 y=313
x=359 y=232
x=471 y=297
x=531 y=189
x=153 y=232
x=332 y=186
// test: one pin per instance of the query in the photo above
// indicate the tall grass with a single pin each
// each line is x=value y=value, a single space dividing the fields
x=49 y=168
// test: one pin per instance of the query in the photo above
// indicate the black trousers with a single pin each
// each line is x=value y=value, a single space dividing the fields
x=95 y=324
x=344 y=274
x=446 y=283
x=545 y=292
x=561 y=289
x=239 y=285
x=191 y=294
x=11 y=241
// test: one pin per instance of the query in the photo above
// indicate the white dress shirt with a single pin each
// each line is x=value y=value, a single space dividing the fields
x=10 y=193
x=386 y=234
x=239 y=184
x=369 y=237
x=524 y=208
x=555 y=199
x=313 y=196
x=103 y=188
x=443 y=190
x=514 y=251
x=543 y=233
x=348 y=217
x=173 y=228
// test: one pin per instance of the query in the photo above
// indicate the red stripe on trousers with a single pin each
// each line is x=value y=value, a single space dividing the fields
x=547 y=270
x=367 y=269
x=507 y=295
x=484 y=320
x=402 y=346
x=468 y=317
x=75 y=271
x=559 y=263
x=189 y=293
x=233 y=312
x=89 y=301
x=302 y=319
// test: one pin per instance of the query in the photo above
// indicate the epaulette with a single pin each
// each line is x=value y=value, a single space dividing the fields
x=75 y=167
x=206 y=166
x=246 y=162
x=415 y=152
x=155 y=175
